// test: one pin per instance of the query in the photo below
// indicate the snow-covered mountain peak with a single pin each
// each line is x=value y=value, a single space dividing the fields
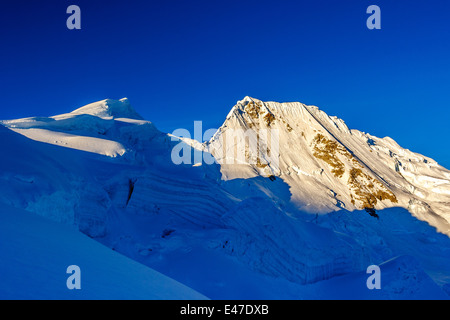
x=284 y=112
x=245 y=100
x=267 y=225
x=107 y=127
x=327 y=166
x=110 y=108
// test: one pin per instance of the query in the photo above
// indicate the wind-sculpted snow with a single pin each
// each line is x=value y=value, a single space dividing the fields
x=291 y=228
x=274 y=243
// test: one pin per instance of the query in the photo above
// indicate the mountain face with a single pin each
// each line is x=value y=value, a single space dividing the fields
x=294 y=202
x=328 y=166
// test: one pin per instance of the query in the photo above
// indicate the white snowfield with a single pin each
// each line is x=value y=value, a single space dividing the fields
x=89 y=144
x=295 y=228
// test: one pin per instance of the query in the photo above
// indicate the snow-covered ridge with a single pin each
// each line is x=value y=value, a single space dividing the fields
x=83 y=129
x=341 y=168
x=327 y=166
x=254 y=229
x=110 y=108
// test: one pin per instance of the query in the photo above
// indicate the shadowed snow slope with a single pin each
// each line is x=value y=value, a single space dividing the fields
x=295 y=228
x=35 y=254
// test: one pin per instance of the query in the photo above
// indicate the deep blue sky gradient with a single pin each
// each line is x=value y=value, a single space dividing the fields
x=180 y=61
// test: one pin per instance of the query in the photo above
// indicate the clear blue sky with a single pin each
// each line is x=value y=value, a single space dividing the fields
x=180 y=61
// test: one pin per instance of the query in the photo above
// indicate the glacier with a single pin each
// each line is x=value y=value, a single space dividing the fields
x=295 y=230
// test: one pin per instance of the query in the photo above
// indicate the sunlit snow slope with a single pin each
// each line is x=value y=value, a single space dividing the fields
x=328 y=166
x=291 y=229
